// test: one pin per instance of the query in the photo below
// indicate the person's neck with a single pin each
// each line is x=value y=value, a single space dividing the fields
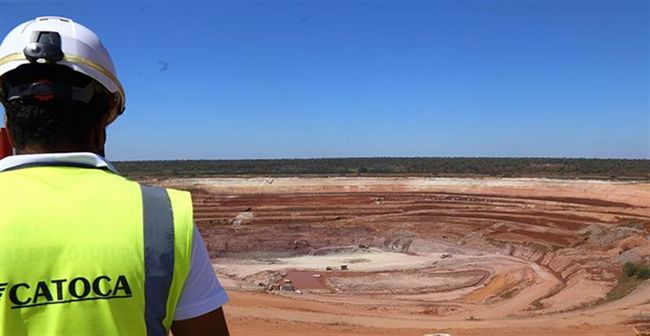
x=65 y=149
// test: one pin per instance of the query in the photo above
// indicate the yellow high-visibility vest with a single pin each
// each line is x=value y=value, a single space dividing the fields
x=84 y=251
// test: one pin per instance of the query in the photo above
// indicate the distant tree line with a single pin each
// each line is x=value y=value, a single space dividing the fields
x=498 y=167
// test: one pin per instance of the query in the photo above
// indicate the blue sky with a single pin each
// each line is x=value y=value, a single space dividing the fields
x=301 y=79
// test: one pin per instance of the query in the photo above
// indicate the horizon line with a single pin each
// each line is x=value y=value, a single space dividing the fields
x=394 y=157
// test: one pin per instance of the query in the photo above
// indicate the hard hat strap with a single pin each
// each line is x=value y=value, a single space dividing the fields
x=45 y=91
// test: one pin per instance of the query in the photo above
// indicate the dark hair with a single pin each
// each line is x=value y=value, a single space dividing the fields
x=49 y=125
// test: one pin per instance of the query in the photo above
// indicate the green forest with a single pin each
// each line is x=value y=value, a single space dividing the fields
x=611 y=169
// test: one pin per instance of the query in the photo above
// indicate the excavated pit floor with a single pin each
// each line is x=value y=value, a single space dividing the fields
x=424 y=254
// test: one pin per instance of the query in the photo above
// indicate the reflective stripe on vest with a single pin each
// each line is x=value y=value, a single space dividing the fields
x=158 y=228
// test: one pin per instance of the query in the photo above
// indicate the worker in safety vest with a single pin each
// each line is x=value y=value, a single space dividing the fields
x=84 y=251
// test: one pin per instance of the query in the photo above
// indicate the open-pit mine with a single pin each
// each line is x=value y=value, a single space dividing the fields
x=419 y=255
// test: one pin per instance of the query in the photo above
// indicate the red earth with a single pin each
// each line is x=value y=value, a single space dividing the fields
x=424 y=255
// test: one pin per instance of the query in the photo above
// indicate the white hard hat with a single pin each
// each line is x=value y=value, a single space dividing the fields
x=81 y=51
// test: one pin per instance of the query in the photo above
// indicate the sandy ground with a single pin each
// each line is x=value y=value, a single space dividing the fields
x=251 y=313
x=424 y=255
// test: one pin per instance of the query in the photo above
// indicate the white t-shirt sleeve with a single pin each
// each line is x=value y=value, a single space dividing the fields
x=202 y=292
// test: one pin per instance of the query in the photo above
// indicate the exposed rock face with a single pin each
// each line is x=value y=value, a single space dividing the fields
x=545 y=246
